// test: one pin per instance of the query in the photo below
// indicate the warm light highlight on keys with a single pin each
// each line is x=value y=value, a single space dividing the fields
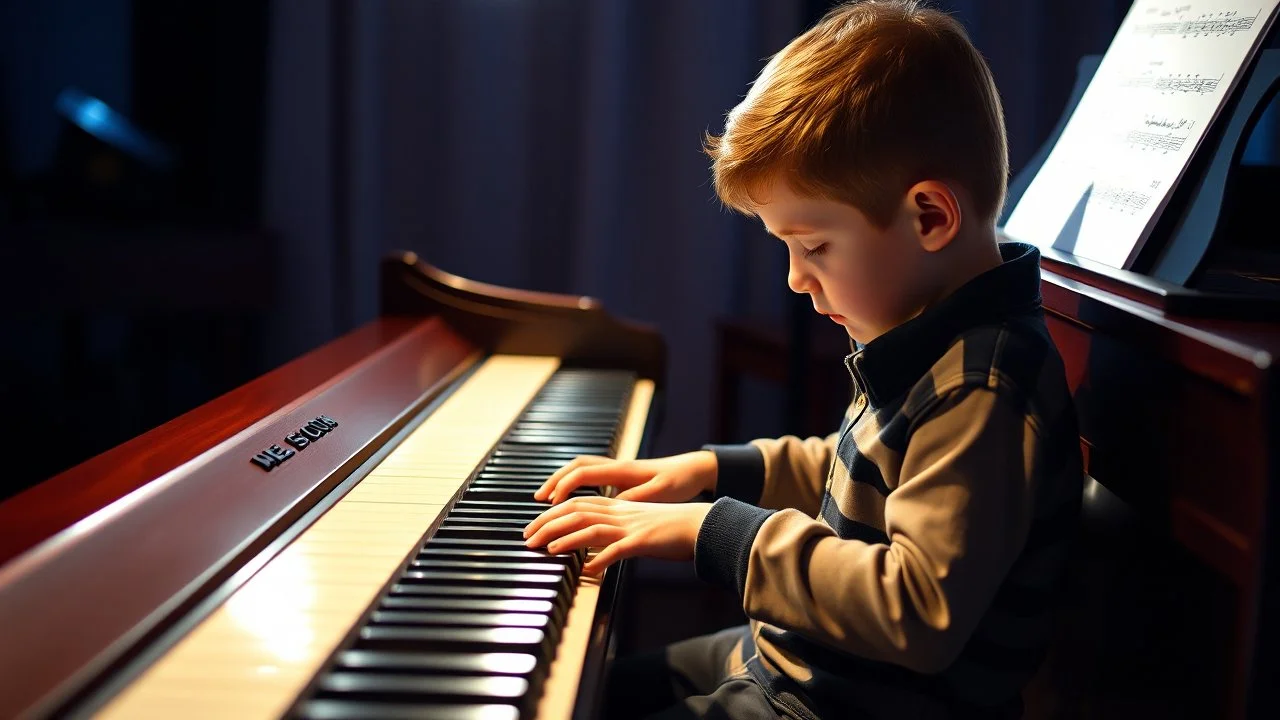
x=253 y=655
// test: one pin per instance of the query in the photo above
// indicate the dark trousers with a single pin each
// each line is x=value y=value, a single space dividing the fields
x=703 y=677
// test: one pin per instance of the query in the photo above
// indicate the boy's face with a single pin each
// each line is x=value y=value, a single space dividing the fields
x=866 y=279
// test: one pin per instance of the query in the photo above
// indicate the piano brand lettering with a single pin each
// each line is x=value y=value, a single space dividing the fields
x=299 y=440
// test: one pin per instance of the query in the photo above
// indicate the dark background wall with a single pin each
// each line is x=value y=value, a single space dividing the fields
x=550 y=146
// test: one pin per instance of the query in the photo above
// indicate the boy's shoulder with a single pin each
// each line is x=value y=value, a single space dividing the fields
x=1015 y=359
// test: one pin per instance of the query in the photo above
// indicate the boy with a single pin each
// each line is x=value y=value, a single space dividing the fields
x=904 y=565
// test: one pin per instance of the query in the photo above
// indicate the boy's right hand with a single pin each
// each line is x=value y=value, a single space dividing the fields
x=678 y=478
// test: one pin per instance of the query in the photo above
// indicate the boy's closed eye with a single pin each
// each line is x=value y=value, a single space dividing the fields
x=816 y=250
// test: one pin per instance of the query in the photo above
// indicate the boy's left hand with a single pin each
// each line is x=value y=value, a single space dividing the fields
x=624 y=528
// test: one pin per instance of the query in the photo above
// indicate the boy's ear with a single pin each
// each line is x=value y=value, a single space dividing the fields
x=935 y=214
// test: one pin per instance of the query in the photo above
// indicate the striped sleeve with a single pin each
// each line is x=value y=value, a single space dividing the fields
x=956 y=523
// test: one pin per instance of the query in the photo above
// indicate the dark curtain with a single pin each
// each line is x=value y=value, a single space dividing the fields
x=556 y=146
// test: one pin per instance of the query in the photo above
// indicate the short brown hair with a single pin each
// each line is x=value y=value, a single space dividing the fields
x=875 y=97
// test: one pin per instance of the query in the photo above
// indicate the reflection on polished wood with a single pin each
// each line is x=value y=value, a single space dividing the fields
x=253 y=655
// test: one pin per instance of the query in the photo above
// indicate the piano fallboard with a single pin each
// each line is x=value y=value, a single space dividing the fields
x=112 y=568
x=128 y=568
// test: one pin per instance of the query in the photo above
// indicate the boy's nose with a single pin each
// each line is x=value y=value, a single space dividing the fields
x=798 y=279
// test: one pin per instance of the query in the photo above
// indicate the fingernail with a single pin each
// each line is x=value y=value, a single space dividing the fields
x=528 y=542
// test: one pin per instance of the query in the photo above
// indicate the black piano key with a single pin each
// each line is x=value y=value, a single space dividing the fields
x=505 y=494
x=494 y=556
x=529 y=437
x=484 y=592
x=490 y=504
x=482 y=579
x=564 y=426
x=484 y=605
x=476 y=543
x=567 y=574
x=607 y=422
x=540 y=555
x=492 y=494
x=485 y=490
x=497 y=522
x=470 y=515
x=505 y=474
x=567 y=426
x=587 y=399
x=494 y=512
x=431 y=618
x=409 y=594
x=530 y=463
x=517 y=664
x=508 y=484
x=558 y=447
x=548 y=624
x=556 y=450
x=523 y=454
x=462 y=529
x=427 y=689
x=429 y=563
x=571 y=409
x=511 y=640
x=354 y=710
x=502 y=558
x=490 y=478
x=442 y=579
x=487 y=544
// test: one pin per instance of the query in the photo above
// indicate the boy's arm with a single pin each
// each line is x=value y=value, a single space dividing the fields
x=956 y=522
x=785 y=472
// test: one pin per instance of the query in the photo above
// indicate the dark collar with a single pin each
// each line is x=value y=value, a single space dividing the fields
x=889 y=365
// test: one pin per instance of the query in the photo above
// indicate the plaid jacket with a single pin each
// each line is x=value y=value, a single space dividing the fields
x=904 y=565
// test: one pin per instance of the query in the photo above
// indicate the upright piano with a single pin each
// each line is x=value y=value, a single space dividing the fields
x=341 y=537
x=1173 y=605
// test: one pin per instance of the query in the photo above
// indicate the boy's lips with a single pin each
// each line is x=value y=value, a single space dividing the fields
x=836 y=318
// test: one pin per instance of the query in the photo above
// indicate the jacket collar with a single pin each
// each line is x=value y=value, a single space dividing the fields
x=889 y=365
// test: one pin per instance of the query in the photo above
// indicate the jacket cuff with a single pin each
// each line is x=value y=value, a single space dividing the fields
x=739 y=472
x=723 y=549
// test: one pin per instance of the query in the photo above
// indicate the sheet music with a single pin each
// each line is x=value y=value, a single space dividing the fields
x=1159 y=86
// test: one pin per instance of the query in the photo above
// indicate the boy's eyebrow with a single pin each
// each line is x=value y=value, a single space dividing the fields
x=789 y=231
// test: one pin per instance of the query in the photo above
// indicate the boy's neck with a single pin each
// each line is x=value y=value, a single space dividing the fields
x=965 y=259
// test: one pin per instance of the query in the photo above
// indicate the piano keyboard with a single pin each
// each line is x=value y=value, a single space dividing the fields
x=385 y=608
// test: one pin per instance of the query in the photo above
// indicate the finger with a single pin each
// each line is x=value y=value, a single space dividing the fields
x=594 y=536
x=591 y=476
x=562 y=526
x=645 y=492
x=542 y=493
x=612 y=553
x=562 y=509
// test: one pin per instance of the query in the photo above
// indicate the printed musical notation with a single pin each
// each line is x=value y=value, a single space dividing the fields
x=1120 y=199
x=1206 y=25
x=1150 y=138
x=1173 y=84
x=1165 y=143
x=1161 y=85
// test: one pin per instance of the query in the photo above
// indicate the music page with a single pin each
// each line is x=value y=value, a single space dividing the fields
x=1162 y=81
